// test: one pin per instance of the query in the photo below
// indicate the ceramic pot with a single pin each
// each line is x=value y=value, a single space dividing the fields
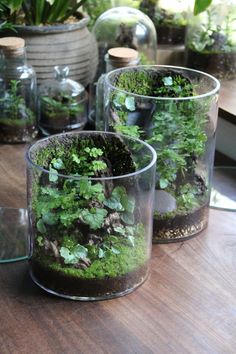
x=69 y=45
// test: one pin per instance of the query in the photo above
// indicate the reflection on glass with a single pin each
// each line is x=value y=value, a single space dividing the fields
x=13 y=235
x=223 y=193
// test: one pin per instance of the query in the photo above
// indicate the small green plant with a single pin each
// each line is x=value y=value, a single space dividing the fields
x=212 y=38
x=14 y=109
x=60 y=105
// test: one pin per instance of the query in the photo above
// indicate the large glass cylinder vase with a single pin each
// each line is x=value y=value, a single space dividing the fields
x=90 y=214
x=175 y=110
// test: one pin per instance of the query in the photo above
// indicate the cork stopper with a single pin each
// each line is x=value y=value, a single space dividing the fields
x=122 y=54
x=12 y=43
x=12 y=46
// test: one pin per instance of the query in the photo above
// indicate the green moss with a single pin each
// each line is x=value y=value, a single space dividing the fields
x=18 y=123
x=148 y=82
x=69 y=146
x=139 y=82
x=113 y=265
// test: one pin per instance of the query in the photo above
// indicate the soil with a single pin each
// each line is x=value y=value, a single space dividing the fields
x=12 y=134
x=59 y=124
x=221 y=65
x=95 y=288
x=170 y=34
x=180 y=227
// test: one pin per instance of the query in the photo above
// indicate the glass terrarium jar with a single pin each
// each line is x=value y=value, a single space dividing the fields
x=17 y=93
x=62 y=104
x=175 y=110
x=169 y=18
x=211 y=40
x=125 y=27
x=90 y=226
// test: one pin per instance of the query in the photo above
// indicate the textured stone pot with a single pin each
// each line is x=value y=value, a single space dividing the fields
x=67 y=44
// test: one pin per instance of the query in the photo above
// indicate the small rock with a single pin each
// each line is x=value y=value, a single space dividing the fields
x=164 y=202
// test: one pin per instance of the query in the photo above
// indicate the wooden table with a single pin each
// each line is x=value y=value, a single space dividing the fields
x=227 y=99
x=187 y=305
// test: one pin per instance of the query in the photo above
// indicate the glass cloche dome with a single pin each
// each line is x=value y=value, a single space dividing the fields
x=125 y=27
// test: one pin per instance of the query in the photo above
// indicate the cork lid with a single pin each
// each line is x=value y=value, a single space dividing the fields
x=12 y=43
x=122 y=54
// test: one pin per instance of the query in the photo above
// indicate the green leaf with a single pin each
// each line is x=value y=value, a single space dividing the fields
x=163 y=183
x=131 y=240
x=101 y=253
x=94 y=152
x=200 y=6
x=73 y=256
x=114 y=204
x=115 y=250
x=98 y=165
x=128 y=218
x=68 y=242
x=120 y=201
x=119 y=193
x=58 y=164
x=14 y=5
x=68 y=257
x=49 y=218
x=41 y=227
x=40 y=241
x=168 y=81
x=119 y=99
x=80 y=251
x=120 y=230
x=67 y=217
x=53 y=175
x=76 y=159
x=128 y=203
x=130 y=103
x=51 y=2
x=87 y=190
x=131 y=130
x=93 y=217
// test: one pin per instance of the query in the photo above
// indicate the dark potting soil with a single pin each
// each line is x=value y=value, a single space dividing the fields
x=170 y=34
x=59 y=124
x=67 y=285
x=16 y=134
x=221 y=65
x=180 y=227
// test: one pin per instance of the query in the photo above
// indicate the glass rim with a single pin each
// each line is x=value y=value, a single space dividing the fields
x=210 y=93
x=153 y=156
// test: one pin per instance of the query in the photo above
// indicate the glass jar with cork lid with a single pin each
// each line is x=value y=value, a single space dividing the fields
x=17 y=93
x=115 y=58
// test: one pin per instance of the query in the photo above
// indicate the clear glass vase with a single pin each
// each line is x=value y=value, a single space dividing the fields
x=211 y=40
x=175 y=110
x=90 y=213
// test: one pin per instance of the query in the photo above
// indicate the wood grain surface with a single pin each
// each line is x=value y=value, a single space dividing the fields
x=227 y=98
x=13 y=176
x=187 y=305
